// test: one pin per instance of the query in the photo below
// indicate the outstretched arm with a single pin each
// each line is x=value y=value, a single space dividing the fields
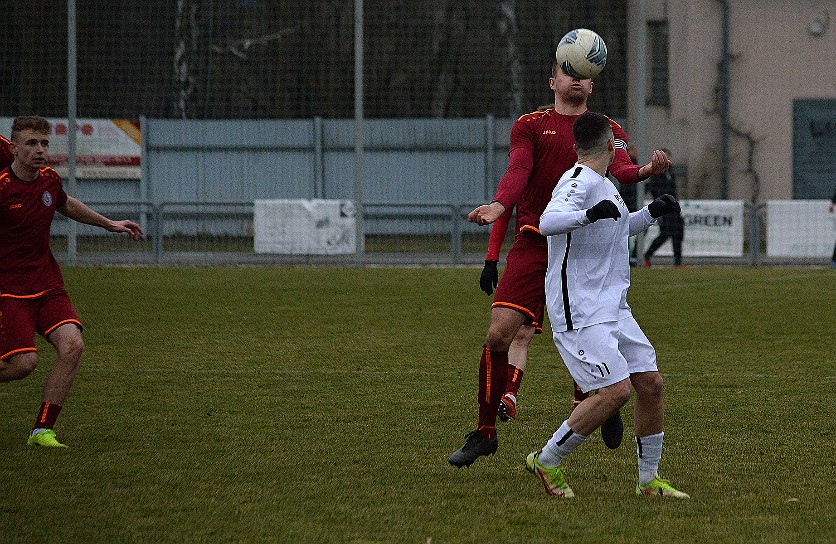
x=79 y=211
x=489 y=278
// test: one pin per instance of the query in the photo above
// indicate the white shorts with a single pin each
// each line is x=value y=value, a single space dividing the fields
x=606 y=353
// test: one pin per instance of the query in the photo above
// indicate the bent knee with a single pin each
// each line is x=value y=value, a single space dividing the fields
x=71 y=349
x=524 y=335
x=499 y=337
x=23 y=364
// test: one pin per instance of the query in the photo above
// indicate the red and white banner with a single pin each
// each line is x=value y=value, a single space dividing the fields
x=105 y=148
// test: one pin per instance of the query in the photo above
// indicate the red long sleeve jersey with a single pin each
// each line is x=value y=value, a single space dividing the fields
x=542 y=149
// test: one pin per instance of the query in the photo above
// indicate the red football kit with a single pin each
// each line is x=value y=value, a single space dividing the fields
x=32 y=295
x=541 y=150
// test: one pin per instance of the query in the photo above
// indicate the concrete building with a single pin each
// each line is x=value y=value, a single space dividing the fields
x=781 y=97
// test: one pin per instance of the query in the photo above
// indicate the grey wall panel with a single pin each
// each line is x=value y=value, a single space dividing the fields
x=107 y=190
x=405 y=161
x=230 y=134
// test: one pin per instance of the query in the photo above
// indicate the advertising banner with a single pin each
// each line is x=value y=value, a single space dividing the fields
x=799 y=228
x=305 y=227
x=713 y=228
x=105 y=148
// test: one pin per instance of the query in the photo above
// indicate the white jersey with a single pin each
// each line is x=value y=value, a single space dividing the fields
x=589 y=266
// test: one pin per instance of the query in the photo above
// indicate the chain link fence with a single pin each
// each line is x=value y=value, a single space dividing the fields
x=271 y=59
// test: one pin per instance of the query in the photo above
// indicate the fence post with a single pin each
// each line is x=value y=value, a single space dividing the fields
x=754 y=234
x=158 y=232
x=490 y=154
x=319 y=161
x=456 y=234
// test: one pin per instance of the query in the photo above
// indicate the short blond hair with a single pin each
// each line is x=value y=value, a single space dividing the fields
x=30 y=122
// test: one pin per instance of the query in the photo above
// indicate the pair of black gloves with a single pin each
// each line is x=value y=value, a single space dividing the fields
x=663 y=205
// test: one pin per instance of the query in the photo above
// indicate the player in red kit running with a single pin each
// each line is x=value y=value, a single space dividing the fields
x=541 y=149
x=32 y=295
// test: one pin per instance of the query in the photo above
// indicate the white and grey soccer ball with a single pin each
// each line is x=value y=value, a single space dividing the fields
x=581 y=53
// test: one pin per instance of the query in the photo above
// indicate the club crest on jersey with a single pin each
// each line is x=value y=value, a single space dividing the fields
x=46 y=198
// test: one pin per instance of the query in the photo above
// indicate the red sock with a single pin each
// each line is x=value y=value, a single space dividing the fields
x=492 y=375
x=47 y=416
x=580 y=396
x=515 y=376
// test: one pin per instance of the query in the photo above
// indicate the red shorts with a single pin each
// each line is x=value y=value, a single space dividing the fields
x=22 y=317
x=522 y=286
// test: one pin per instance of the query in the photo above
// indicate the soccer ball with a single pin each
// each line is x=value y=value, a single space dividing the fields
x=581 y=53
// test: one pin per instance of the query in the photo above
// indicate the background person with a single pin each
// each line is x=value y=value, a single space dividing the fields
x=670 y=226
x=32 y=294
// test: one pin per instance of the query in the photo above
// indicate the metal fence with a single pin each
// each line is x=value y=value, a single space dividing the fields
x=198 y=233
x=206 y=233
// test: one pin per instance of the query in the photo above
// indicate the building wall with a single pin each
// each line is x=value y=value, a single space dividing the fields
x=775 y=60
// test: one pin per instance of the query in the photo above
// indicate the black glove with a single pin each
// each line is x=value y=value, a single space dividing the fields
x=663 y=205
x=602 y=210
x=489 y=278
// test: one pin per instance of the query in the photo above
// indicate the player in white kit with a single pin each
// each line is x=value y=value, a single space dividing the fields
x=588 y=226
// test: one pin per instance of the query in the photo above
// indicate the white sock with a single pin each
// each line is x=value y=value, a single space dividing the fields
x=562 y=443
x=649 y=453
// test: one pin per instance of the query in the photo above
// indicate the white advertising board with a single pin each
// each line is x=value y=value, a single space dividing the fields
x=713 y=228
x=799 y=228
x=305 y=227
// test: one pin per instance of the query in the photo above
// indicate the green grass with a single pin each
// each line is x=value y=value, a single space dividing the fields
x=320 y=405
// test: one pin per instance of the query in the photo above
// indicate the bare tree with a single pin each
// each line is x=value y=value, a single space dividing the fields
x=186 y=29
x=508 y=28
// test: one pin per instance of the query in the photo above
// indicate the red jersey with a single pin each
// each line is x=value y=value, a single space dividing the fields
x=27 y=266
x=6 y=157
x=542 y=149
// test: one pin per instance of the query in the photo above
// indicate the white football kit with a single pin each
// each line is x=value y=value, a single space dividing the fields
x=587 y=280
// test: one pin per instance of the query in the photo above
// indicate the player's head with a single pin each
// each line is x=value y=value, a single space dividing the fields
x=30 y=143
x=569 y=89
x=593 y=134
x=36 y=124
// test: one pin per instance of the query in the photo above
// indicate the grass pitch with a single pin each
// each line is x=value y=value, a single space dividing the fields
x=320 y=405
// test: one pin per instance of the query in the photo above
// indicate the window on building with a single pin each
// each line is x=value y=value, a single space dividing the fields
x=657 y=36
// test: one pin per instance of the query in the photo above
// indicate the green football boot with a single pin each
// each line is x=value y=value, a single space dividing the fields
x=551 y=477
x=45 y=438
x=658 y=487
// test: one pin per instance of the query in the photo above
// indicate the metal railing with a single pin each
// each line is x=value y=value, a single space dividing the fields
x=222 y=233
